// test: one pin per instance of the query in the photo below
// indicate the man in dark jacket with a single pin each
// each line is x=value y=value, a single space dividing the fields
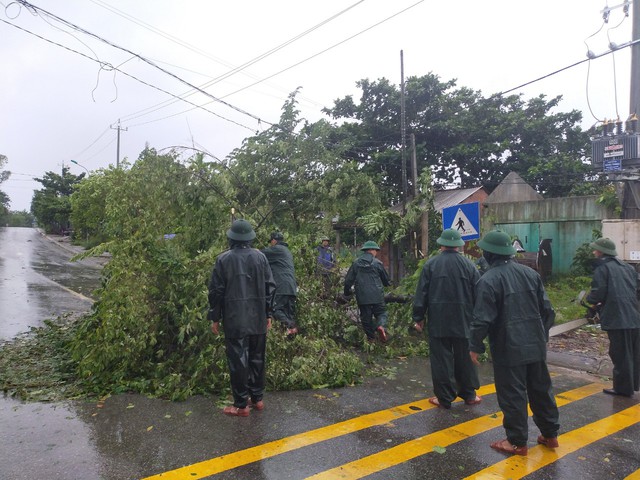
x=513 y=309
x=369 y=277
x=446 y=292
x=281 y=263
x=614 y=289
x=240 y=295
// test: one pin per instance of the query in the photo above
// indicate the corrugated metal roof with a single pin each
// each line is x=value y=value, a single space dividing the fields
x=446 y=198
x=450 y=198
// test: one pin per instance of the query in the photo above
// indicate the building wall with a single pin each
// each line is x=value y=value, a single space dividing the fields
x=568 y=222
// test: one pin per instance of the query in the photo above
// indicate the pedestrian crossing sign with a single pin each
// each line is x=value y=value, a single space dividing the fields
x=465 y=218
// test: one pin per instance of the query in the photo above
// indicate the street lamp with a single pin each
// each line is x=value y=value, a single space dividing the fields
x=73 y=161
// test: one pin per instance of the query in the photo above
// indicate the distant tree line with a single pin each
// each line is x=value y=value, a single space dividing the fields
x=4 y=198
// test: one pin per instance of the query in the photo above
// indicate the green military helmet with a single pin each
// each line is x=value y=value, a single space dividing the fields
x=450 y=238
x=370 y=245
x=322 y=239
x=241 y=231
x=278 y=236
x=605 y=245
x=497 y=242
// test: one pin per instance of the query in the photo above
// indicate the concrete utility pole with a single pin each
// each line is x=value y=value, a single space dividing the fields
x=403 y=129
x=119 y=129
x=634 y=98
x=414 y=165
x=424 y=234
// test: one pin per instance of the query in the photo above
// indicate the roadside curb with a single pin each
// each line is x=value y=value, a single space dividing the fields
x=94 y=261
x=594 y=365
x=61 y=243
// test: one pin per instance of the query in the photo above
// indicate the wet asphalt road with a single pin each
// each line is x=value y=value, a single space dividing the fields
x=38 y=282
x=382 y=429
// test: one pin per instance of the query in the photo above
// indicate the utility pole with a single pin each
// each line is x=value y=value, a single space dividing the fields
x=631 y=187
x=119 y=129
x=616 y=152
x=403 y=129
x=414 y=165
x=634 y=98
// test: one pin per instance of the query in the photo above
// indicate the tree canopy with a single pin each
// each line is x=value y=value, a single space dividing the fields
x=465 y=138
x=52 y=205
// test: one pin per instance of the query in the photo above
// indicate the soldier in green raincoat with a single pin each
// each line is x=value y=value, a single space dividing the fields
x=281 y=263
x=615 y=288
x=513 y=309
x=445 y=293
x=369 y=277
x=240 y=296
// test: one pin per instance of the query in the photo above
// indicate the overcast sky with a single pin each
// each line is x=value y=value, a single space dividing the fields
x=60 y=104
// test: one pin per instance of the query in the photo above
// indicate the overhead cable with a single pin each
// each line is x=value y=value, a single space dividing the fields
x=235 y=70
x=302 y=61
x=612 y=46
x=109 y=66
x=618 y=47
x=326 y=49
x=144 y=59
x=91 y=144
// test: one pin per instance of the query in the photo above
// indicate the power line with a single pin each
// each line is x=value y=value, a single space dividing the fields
x=159 y=32
x=613 y=58
x=589 y=54
x=245 y=65
x=198 y=106
x=24 y=174
x=144 y=59
x=101 y=150
x=92 y=143
x=326 y=49
x=111 y=67
x=298 y=63
x=617 y=47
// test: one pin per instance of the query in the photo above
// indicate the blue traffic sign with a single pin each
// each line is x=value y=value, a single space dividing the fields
x=465 y=218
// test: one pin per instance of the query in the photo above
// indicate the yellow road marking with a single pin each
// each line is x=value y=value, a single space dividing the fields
x=634 y=476
x=423 y=445
x=517 y=466
x=287 y=444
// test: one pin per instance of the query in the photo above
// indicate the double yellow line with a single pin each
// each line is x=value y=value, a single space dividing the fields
x=570 y=442
x=305 y=439
x=512 y=467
